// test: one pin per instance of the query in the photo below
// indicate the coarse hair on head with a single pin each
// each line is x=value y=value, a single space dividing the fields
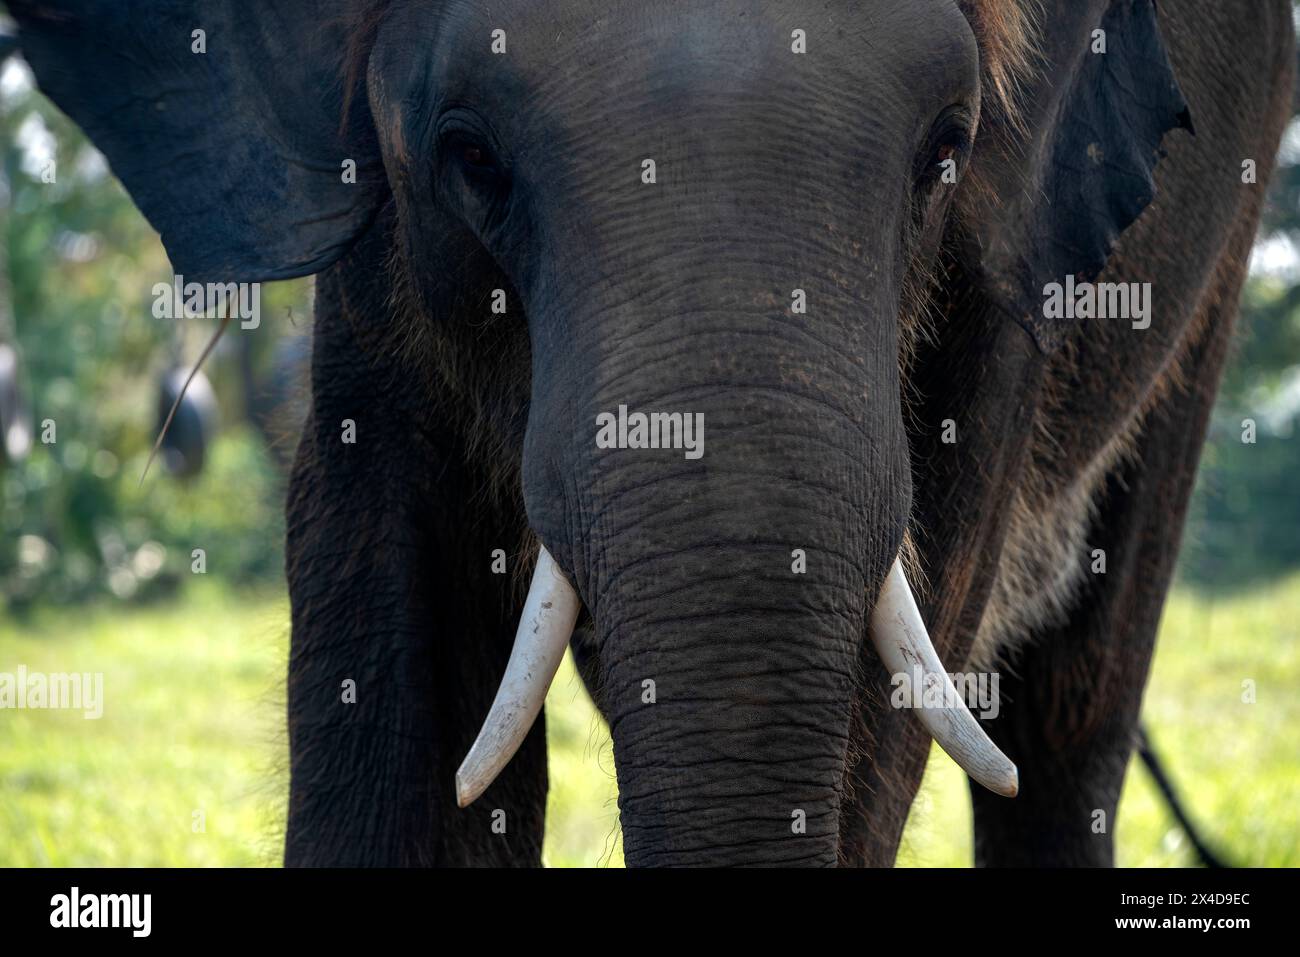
x=1006 y=31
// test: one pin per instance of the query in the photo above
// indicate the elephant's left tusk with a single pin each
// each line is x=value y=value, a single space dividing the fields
x=544 y=629
x=904 y=645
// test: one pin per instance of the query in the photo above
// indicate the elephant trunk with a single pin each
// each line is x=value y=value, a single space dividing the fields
x=730 y=591
x=730 y=604
x=730 y=719
x=726 y=484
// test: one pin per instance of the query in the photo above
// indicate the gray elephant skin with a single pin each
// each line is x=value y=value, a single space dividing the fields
x=838 y=233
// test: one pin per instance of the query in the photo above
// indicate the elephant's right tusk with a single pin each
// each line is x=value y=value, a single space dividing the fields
x=544 y=629
x=904 y=645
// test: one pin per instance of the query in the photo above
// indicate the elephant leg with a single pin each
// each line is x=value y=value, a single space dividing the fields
x=1071 y=697
x=401 y=630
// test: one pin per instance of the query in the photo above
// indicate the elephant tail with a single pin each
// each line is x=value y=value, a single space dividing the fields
x=1146 y=750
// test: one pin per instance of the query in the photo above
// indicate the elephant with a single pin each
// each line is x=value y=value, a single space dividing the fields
x=943 y=289
x=187 y=420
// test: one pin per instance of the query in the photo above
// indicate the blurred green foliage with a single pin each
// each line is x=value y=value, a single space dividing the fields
x=1244 y=523
x=81 y=266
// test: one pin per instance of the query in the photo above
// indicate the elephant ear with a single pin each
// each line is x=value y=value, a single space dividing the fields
x=1092 y=136
x=231 y=140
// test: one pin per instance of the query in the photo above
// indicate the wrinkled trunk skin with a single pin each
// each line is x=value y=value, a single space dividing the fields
x=735 y=753
x=745 y=741
x=727 y=667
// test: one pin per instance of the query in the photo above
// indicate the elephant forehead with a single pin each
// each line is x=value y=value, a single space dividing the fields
x=590 y=52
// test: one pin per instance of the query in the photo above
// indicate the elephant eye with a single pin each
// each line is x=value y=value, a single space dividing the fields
x=465 y=143
x=474 y=155
x=948 y=142
x=471 y=174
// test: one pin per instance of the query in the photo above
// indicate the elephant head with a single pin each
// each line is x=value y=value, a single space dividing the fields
x=720 y=232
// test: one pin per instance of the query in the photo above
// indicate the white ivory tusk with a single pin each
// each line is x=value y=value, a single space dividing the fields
x=904 y=645
x=544 y=630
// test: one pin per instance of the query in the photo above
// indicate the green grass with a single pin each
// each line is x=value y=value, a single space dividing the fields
x=193 y=722
x=190 y=724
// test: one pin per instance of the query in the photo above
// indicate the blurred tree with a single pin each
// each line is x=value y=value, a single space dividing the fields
x=82 y=264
